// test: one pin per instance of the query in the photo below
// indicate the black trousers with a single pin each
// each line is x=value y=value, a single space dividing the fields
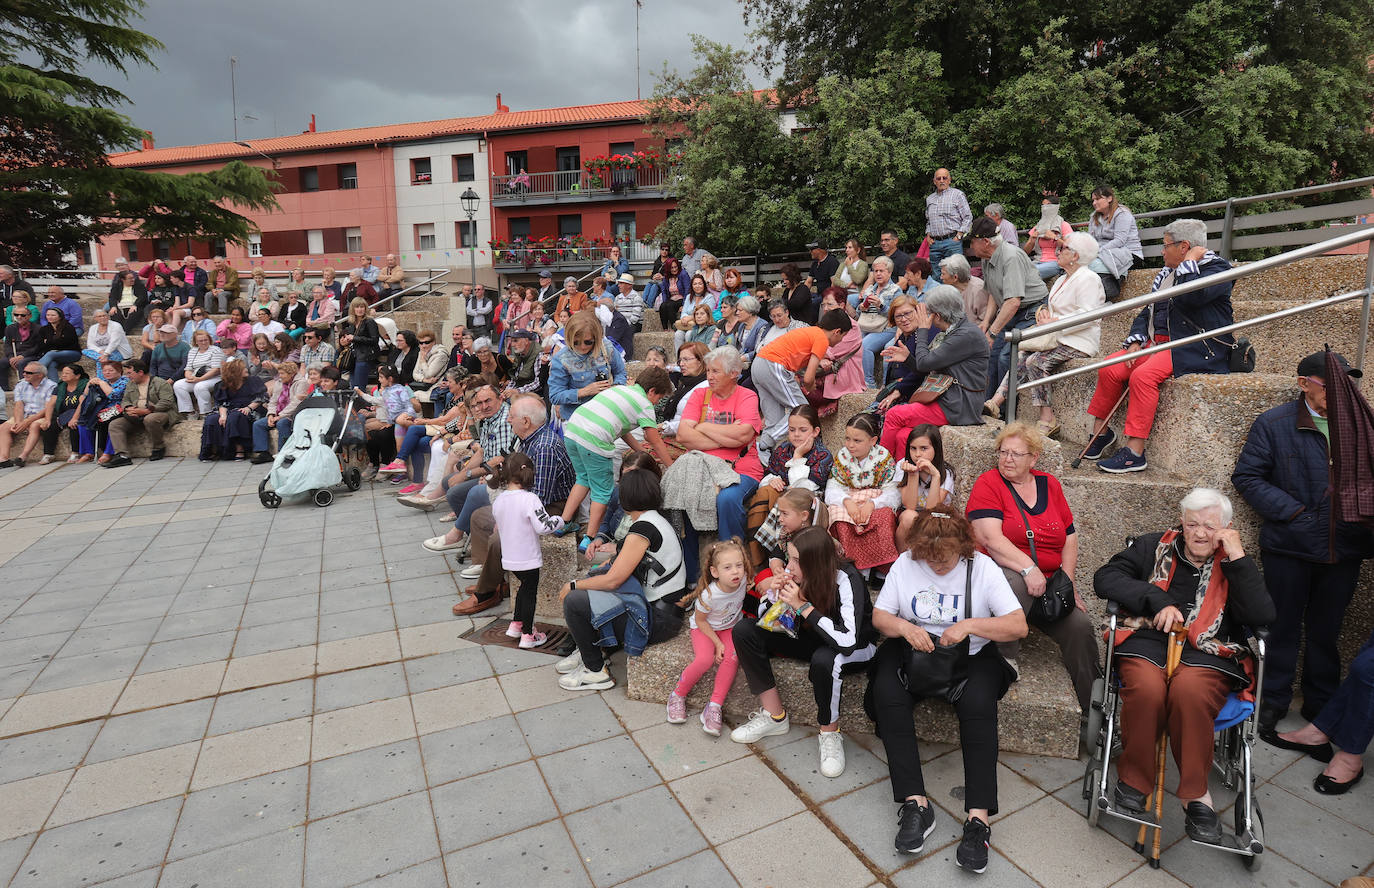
x=1310 y=598
x=381 y=446
x=755 y=646
x=669 y=311
x=525 y=598
x=577 y=613
x=977 y=711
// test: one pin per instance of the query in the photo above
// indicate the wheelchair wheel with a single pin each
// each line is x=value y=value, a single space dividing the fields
x=1093 y=778
x=269 y=498
x=323 y=497
x=353 y=478
x=1255 y=859
x=1092 y=731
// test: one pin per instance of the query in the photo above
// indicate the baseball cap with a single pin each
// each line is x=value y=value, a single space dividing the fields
x=167 y=328
x=546 y=275
x=817 y=244
x=1315 y=365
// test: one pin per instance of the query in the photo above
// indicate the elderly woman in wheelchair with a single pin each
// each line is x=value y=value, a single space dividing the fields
x=1193 y=586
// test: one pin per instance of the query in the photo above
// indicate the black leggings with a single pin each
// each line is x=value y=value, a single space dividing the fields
x=977 y=711
x=669 y=311
x=754 y=646
x=526 y=597
x=381 y=445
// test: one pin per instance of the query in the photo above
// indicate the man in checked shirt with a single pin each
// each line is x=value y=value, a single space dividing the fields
x=947 y=219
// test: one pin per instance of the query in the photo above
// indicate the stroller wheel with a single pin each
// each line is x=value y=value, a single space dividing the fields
x=353 y=478
x=269 y=498
x=323 y=497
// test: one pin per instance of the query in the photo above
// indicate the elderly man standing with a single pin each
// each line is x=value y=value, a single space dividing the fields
x=222 y=286
x=947 y=219
x=1016 y=289
x=391 y=279
x=149 y=404
x=553 y=480
x=1186 y=259
x=1311 y=558
x=35 y=398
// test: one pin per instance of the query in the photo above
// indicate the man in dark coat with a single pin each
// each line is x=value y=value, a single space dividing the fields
x=1311 y=558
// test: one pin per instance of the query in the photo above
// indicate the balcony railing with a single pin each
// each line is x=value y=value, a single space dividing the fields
x=570 y=185
x=555 y=257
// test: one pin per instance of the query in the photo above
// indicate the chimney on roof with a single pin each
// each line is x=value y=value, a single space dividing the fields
x=147 y=141
x=312 y=124
x=501 y=109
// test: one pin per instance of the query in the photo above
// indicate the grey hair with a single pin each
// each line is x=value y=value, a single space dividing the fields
x=355 y=272
x=728 y=358
x=1084 y=244
x=10 y=269
x=691 y=240
x=883 y=260
x=531 y=407
x=480 y=343
x=1200 y=499
x=994 y=209
x=946 y=302
x=1194 y=231
x=748 y=303
x=958 y=266
x=456 y=374
x=778 y=303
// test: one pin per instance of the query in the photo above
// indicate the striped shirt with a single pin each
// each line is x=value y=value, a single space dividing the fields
x=619 y=409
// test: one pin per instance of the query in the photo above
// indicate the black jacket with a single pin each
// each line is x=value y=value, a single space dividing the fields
x=1284 y=472
x=31 y=348
x=365 y=339
x=1197 y=312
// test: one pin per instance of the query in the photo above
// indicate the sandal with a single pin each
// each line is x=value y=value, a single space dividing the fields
x=84 y=458
x=993 y=409
x=1047 y=429
x=451 y=516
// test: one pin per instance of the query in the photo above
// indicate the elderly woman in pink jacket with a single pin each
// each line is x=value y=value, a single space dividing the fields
x=843 y=364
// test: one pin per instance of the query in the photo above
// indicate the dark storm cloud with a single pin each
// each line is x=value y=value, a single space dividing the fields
x=360 y=63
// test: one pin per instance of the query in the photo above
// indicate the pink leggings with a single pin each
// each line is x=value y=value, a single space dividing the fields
x=705 y=658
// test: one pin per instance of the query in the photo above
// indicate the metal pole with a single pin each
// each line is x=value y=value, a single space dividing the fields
x=472 y=251
x=638 y=93
x=234 y=96
x=1227 y=223
x=1364 y=311
x=1010 y=413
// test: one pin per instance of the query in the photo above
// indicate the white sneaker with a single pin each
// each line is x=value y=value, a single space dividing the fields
x=471 y=572
x=760 y=725
x=571 y=663
x=585 y=680
x=832 y=753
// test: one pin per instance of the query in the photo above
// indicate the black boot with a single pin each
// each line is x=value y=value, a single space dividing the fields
x=262 y=456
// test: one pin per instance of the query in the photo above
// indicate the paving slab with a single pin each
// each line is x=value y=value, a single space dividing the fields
x=815 y=856
x=493 y=804
x=540 y=855
x=100 y=849
x=274 y=859
x=629 y=836
x=365 y=777
x=238 y=812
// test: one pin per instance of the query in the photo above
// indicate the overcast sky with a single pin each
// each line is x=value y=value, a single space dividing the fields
x=360 y=62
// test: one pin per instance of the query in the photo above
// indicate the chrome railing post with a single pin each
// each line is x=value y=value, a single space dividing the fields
x=1227 y=225
x=1364 y=311
x=1014 y=337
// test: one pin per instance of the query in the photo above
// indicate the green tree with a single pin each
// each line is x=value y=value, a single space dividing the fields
x=57 y=188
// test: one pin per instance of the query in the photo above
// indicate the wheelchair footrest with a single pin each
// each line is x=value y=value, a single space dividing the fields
x=1145 y=819
x=1227 y=842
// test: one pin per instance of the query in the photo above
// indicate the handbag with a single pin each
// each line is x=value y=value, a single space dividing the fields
x=942 y=672
x=105 y=414
x=1057 y=601
x=932 y=387
x=1243 y=356
x=872 y=321
x=1042 y=343
x=344 y=359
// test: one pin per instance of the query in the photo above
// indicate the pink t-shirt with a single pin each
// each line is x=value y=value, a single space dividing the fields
x=1046 y=244
x=741 y=406
x=189 y=275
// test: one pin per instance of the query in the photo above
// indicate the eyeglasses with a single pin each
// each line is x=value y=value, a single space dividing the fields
x=1315 y=381
x=1012 y=454
x=903 y=315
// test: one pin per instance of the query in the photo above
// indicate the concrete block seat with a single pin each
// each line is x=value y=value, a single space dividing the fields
x=1038 y=716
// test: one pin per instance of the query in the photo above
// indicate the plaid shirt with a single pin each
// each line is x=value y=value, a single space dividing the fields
x=947 y=214
x=311 y=356
x=553 y=471
x=495 y=435
x=33 y=398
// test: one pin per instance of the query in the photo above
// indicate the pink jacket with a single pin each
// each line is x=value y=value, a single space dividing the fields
x=850 y=377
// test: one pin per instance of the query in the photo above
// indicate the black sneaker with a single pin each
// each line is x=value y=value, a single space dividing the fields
x=1100 y=444
x=157 y=455
x=6 y=463
x=973 y=850
x=262 y=456
x=914 y=823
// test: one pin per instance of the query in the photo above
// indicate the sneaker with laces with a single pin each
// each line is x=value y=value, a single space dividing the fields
x=973 y=849
x=1123 y=461
x=369 y=473
x=915 y=822
x=583 y=679
x=536 y=639
x=571 y=663
x=832 y=754
x=515 y=629
x=711 y=719
x=677 y=709
x=1099 y=445
x=395 y=467
x=409 y=489
x=760 y=725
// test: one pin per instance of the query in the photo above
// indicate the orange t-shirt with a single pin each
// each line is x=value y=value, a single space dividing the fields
x=795 y=347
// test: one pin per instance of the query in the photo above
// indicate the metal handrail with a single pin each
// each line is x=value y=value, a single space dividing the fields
x=1015 y=336
x=1257 y=198
x=398 y=294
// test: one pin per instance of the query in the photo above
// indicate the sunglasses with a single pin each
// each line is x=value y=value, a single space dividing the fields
x=33 y=372
x=426 y=341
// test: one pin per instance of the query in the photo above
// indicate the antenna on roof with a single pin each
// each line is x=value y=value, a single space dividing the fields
x=639 y=4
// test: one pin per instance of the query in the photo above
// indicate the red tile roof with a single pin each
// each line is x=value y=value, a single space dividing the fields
x=400 y=132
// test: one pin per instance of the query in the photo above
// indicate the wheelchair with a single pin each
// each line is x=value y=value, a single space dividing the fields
x=1235 y=730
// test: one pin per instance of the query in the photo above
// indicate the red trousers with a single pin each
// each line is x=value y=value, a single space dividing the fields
x=1144 y=377
x=1186 y=705
x=901 y=419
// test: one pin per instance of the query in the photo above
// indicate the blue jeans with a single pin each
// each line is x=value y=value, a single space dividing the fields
x=54 y=361
x=730 y=508
x=939 y=251
x=414 y=450
x=466 y=498
x=874 y=343
x=1348 y=717
x=999 y=353
x=261 y=439
x=1048 y=270
x=361 y=370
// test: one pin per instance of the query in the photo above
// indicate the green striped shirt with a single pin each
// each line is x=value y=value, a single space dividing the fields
x=619 y=409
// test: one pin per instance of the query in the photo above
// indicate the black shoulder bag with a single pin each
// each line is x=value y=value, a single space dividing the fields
x=1057 y=601
x=942 y=672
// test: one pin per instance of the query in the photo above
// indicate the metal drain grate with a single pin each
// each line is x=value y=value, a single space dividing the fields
x=494 y=633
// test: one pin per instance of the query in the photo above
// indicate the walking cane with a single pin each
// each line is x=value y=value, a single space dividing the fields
x=1078 y=460
x=1173 y=654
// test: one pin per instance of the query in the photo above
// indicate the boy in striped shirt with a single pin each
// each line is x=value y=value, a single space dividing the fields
x=590 y=435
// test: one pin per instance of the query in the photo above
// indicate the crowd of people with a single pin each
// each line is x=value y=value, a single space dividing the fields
x=860 y=560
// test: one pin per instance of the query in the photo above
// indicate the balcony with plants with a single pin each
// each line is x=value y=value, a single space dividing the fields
x=638 y=175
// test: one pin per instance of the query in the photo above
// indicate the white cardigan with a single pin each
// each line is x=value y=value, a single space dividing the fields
x=1075 y=293
x=111 y=341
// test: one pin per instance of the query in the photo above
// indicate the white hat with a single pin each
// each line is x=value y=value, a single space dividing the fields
x=626 y=278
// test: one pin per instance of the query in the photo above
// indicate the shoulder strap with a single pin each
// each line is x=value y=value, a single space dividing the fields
x=705 y=406
x=968 y=589
x=1025 y=522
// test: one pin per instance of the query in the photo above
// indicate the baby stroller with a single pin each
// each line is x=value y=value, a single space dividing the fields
x=310 y=462
x=1235 y=729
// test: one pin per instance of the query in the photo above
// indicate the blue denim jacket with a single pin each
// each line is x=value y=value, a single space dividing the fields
x=569 y=371
x=629 y=600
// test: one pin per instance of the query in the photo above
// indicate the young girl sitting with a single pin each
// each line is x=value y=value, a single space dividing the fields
x=520 y=519
x=719 y=597
x=926 y=481
x=795 y=509
x=800 y=461
x=863 y=496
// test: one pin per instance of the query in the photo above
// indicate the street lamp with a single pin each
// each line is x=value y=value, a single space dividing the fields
x=470 y=201
x=275 y=162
